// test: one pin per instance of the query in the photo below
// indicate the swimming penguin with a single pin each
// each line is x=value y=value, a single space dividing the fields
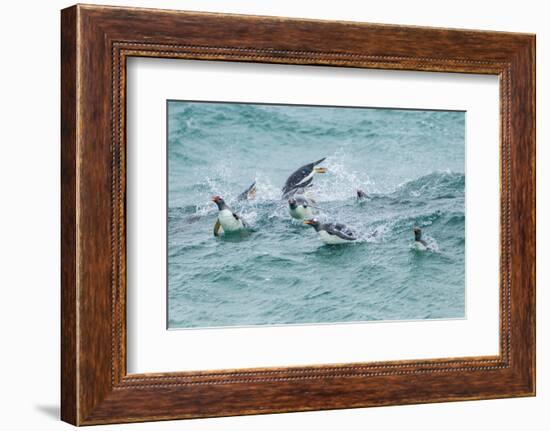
x=361 y=195
x=333 y=233
x=249 y=194
x=299 y=208
x=302 y=178
x=227 y=219
x=419 y=243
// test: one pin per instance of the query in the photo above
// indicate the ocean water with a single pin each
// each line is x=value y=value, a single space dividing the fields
x=409 y=162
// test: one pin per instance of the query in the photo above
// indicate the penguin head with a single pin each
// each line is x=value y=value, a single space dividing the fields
x=313 y=222
x=218 y=200
x=417 y=233
x=361 y=194
x=319 y=169
x=292 y=203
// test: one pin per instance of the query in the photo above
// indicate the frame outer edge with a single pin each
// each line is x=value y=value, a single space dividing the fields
x=532 y=101
x=530 y=63
x=533 y=53
x=69 y=411
x=523 y=177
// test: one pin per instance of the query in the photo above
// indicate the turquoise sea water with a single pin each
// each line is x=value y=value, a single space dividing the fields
x=411 y=164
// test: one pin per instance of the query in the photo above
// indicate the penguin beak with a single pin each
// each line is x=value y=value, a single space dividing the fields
x=308 y=222
x=320 y=170
x=215 y=199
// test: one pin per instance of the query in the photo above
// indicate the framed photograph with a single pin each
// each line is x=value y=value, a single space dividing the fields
x=265 y=215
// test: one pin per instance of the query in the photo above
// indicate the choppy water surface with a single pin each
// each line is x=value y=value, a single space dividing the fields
x=411 y=164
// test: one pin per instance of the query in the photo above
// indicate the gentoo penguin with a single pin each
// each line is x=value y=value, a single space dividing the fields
x=361 y=195
x=249 y=194
x=227 y=219
x=302 y=178
x=299 y=208
x=333 y=233
x=419 y=243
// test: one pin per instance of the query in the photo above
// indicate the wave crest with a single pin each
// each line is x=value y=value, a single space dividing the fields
x=435 y=185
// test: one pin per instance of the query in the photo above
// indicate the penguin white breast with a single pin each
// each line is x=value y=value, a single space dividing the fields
x=301 y=213
x=229 y=222
x=419 y=246
x=331 y=239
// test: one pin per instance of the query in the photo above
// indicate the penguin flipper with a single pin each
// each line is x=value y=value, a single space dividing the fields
x=238 y=218
x=252 y=192
x=217 y=227
x=249 y=193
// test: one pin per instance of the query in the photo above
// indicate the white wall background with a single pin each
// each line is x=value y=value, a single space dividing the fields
x=29 y=214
